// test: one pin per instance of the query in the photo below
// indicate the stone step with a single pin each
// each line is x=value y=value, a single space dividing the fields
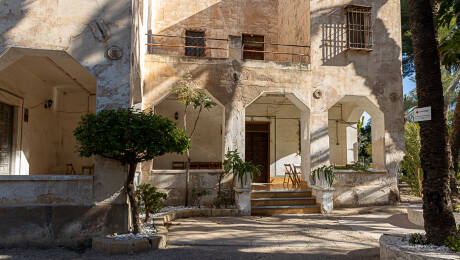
x=277 y=210
x=282 y=201
x=281 y=194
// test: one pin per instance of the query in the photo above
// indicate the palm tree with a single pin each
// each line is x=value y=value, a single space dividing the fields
x=434 y=155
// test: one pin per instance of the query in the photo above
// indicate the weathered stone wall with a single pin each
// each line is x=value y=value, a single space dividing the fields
x=376 y=74
x=358 y=189
x=172 y=182
x=46 y=189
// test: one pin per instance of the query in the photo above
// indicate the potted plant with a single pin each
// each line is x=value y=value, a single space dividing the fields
x=323 y=176
x=241 y=170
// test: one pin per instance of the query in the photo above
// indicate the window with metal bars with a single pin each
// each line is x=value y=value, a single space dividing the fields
x=359 y=27
x=253 y=47
x=194 y=42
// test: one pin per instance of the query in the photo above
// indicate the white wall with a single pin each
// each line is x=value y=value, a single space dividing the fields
x=207 y=141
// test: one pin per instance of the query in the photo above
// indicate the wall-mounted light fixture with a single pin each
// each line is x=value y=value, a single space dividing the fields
x=48 y=103
x=176 y=115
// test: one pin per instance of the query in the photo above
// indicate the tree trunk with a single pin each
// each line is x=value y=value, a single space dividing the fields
x=187 y=163
x=434 y=156
x=129 y=187
x=454 y=139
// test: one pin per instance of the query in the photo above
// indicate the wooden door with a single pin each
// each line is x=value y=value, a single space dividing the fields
x=257 y=149
x=6 y=137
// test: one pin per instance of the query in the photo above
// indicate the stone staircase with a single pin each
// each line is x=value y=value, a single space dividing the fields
x=275 y=200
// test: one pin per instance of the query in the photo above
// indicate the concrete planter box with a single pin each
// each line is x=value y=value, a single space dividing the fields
x=111 y=246
x=415 y=216
x=391 y=248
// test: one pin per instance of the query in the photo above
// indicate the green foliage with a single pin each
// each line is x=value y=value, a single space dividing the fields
x=410 y=101
x=407 y=51
x=129 y=136
x=238 y=167
x=151 y=201
x=196 y=196
x=453 y=242
x=192 y=97
x=448 y=22
x=355 y=167
x=326 y=171
x=365 y=144
x=411 y=164
x=225 y=198
x=417 y=239
x=448 y=25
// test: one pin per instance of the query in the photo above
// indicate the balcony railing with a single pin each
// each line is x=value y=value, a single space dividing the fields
x=220 y=47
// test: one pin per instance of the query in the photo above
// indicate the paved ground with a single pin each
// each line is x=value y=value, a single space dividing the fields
x=346 y=234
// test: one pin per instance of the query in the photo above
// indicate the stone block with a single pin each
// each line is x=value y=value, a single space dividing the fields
x=112 y=246
x=158 y=241
x=204 y=212
x=159 y=221
x=217 y=212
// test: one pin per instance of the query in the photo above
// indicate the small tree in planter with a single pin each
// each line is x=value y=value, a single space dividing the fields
x=191 y=97
x=129 y=137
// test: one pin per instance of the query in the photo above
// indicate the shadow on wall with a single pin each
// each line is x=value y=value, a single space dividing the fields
x=329 y=23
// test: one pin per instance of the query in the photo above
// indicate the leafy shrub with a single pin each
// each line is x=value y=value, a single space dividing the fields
x=411 y=165
x=150 y=200
x=453 y=242
x=196 y=196
x=225 y=198
x=327 y=172
x=417 y=239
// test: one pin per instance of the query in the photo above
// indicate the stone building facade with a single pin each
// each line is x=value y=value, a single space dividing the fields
x=291 y=78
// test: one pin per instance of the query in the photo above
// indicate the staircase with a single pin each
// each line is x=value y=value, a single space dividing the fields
x=274 y=199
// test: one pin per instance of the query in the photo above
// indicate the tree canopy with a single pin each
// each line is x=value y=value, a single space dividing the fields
x=129 y=136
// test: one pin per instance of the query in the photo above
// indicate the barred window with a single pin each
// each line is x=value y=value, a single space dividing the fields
x=253 y=47
x=359 y=27
x=194 y=42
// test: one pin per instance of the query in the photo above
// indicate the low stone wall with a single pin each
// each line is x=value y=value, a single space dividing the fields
x=358 y=189
x=47 y=210
x=415 y=216
x=46 y=190
x=172 y=182
x=24 y=226
x=392 y=248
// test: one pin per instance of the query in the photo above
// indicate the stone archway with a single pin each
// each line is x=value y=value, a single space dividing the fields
x=293 y=145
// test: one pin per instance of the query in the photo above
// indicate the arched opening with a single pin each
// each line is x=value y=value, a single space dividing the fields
x=277 y=134
x=356 y=134
x=43 y=94
x=206 y=148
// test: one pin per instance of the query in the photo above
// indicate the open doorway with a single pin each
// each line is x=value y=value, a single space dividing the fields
x=356 y=134
x=258 y=148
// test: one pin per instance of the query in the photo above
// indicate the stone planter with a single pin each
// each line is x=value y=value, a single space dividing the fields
x=391 y=247
x=325 y=197
x=243 y=196
x=109 y=245
x=415 y=216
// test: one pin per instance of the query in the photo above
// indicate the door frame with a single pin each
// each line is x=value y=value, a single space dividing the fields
x=267 y=177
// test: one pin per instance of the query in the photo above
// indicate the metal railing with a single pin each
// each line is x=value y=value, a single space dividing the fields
x=159 y=46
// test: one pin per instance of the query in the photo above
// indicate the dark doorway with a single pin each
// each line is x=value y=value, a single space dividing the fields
x=6 y=137
x=258 y=149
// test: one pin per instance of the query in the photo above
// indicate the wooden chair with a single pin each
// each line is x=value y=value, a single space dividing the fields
x=297 y=173
x=289 y=173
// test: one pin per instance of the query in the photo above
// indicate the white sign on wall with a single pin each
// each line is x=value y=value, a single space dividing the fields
x=420 y=114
